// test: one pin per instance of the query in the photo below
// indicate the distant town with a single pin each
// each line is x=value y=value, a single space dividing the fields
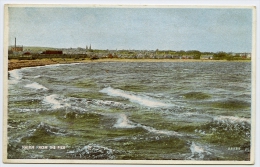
x=29 y=53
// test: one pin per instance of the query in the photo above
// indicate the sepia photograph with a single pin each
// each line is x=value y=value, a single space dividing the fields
x=129 y=84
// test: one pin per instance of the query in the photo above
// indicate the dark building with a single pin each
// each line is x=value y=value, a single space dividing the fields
x=27 y=53
x=56 y=52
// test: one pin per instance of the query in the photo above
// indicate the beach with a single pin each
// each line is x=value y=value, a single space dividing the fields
x=17 y=64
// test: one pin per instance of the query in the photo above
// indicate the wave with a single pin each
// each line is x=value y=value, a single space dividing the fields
x=231 y=119
x=92 y=151
x=80 y=104
x=37 y=76
x=15 y=76
x=36 y=85
x=142 y=100
x=198 y=152
x=52 y=100
x=74 y=104
x=123 y=122
x=109 y=104
x=23 y=110
x=60 y=64
x=39 y=129
x=160 y=132
x=50 y=129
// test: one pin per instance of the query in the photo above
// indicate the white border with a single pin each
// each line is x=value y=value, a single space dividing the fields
x=141 y=2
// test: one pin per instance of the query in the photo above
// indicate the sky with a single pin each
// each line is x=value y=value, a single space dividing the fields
x=203 y=29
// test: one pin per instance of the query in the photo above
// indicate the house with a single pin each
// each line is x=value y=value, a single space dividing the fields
x=206 y=57
x=26 y=53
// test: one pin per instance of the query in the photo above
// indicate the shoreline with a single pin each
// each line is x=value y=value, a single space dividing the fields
x=17 y=64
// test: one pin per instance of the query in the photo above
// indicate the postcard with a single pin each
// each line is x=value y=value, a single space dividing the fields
x=129 y=84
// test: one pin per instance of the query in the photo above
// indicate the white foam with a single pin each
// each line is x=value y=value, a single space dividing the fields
x=195 y=149
x=162 y=132
x=51 y=129
x=231 y=119
x=35 y=85
x=52 y=100
x=54 y=65
x=198 y=152
x=109 y=103
x=142 y=100
x=37 y=76
x=123 y=122
x=61 y=64
x=15 y=76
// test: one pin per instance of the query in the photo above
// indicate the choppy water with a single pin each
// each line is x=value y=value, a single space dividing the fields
x=178 y=111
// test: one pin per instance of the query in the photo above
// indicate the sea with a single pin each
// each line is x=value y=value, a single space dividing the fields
x=131 y=111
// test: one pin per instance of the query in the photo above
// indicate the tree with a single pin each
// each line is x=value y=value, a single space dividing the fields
x=195 y=53
x=220 y=56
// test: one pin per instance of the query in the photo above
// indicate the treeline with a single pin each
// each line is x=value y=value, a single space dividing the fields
x=131 y=54
x=229 y=56
x=194 y=53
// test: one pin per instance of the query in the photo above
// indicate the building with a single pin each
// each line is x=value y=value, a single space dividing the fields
x=56 y=52
x=16 y=48
x=209 y=57
x=27 y=53
x=245 y=55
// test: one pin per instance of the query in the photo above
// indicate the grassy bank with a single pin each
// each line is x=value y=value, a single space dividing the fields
x=17 y=64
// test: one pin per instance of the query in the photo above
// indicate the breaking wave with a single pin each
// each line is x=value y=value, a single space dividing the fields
x=123 y=122
x=92 y=151
x=42 y=129
x=231 y=119
x=50 y=129
x=198 y=152
x=142 y=100
x=52 y=100
x=161 y=132
x=109 y=104
x=37 y=76
x=15 y=76
x=35 y=85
